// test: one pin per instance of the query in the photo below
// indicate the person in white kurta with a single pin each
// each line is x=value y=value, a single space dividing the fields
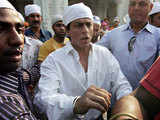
x=64 y=74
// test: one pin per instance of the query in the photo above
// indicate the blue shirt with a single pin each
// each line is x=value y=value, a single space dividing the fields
x=146 y=47
x=45 y=35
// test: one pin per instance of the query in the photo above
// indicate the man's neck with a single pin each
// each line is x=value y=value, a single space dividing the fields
x=83 y=56
x=82 y=50
x=35 y=29
x=59 y=39
x=137 y=27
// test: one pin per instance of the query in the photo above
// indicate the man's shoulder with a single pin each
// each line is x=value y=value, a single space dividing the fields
x=59 y=53
x=14 y=107
x=28 y=32
x=48 y=42
x=46 y=32
x=153 y=29
x=121 y=27
x=100 y=49
x=33 y=41
x=117 y=31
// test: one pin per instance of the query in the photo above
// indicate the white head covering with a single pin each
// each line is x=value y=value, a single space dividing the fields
x=56 y=18
x=32 y=8
x=76 y=11
x=96 y=20
x=116 y=19
x=6 y=4
x=156 y=8
x=21 y=16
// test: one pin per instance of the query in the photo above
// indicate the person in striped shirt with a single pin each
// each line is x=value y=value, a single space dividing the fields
x=14 y=99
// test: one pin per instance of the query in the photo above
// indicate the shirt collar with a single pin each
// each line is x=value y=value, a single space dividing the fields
x=147 y=27
x=27 y=42
x=42 y=32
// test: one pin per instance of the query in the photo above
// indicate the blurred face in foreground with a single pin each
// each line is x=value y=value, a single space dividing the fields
x=11 y=40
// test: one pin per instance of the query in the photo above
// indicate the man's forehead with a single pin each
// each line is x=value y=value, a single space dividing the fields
x=59 y=22
x=34 y=14
x=83 y=20
x=7 y=12
x=9 y=16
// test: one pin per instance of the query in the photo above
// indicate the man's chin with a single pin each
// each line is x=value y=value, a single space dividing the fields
x=36 y=26
x=6 y=68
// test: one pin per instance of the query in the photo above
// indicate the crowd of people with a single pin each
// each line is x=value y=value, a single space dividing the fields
x=89 y=69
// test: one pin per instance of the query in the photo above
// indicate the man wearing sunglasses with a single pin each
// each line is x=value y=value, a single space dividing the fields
x=135 y=44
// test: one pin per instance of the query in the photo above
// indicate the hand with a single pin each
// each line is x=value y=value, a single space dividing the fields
x=26 y=77
x=94 y=97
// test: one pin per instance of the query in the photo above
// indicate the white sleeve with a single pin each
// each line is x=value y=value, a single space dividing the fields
x=56 y=105
x=120 y=85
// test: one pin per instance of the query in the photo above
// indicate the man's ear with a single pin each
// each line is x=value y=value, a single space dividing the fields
x=151 y=6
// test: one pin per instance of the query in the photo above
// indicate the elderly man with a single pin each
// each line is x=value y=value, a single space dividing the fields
x=72 y=84
x=154 y=15
x=34 y=18
x=58 y=41
x=14 y=101
x=135 y=44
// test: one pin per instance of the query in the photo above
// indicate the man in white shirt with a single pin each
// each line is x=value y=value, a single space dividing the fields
x=79 y=69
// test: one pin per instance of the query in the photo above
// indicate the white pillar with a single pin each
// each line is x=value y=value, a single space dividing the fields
x=122 y=9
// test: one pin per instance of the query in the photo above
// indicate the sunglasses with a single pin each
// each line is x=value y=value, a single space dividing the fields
x=131 y=43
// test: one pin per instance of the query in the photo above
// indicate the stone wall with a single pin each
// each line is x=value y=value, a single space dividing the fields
x=101 y=8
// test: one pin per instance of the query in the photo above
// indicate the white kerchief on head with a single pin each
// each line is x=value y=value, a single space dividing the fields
x=76 y=11
x=6 y=4
x=56 y=18
x=32 y=8
x=156 y=8
x=21 y=17
x=96 y=20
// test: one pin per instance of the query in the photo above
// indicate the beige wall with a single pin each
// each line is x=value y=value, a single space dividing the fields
x=101 y=8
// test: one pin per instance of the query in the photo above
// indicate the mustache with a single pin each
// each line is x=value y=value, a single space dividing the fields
x=13 y=51
x=35 y=22
x=84 y=38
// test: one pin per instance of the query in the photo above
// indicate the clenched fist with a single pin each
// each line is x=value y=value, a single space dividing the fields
x=95 y=98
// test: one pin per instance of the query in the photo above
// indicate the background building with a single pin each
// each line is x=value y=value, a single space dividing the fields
x=101 y=8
